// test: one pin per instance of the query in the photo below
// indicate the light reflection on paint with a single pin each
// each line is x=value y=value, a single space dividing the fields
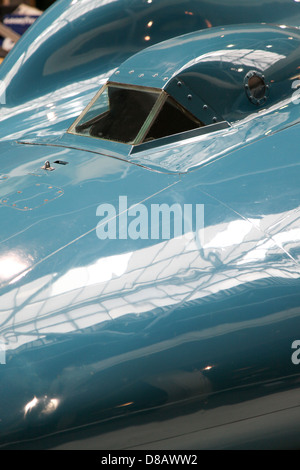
x=51 y=116
x=11 y=265
x=46 y=405
x=145 y=280
x=102 y=271
x=50 y=406
x=125 y=404
x=30 y=405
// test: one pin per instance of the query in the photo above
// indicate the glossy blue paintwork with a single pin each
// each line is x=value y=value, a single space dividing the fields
x=125 y=343
x=210 y=65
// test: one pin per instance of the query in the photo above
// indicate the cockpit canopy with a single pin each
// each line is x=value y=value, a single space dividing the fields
x=134 y=115
x=194 y=84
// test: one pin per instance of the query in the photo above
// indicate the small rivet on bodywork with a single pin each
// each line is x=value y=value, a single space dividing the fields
x=205 y=107
x=214 y=119
x=179 y=84
x=141 y=75
x=131 y=71
x=190 y=97
x=117 y=72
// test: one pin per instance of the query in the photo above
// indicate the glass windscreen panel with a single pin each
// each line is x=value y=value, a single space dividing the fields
x=133 y=115
x=172 y=119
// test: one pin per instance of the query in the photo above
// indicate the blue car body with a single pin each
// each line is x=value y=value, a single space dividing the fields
x=179 y=342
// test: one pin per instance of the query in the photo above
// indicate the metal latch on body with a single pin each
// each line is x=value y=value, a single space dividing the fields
x=47 y=166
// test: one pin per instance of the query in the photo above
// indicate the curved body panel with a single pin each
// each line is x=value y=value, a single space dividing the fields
x=120 y=332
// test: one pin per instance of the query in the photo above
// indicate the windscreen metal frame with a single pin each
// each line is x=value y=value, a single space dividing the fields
x=162 y=98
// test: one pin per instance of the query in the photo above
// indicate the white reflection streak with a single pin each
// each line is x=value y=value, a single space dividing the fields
x=287 y=236
x=69 y=15
x=11 y=265
x=51 y=116
x=70 y=94
x=233 y=234
x=250 y=57
x=48 y=405
x=101 y=271
x=159 y=276
x=61 y=94
x=30 y=405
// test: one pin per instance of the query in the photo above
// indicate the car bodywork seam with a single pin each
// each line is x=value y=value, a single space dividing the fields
x=267 y=235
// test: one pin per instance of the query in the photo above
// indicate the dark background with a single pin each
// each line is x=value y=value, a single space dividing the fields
x=11 y=4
